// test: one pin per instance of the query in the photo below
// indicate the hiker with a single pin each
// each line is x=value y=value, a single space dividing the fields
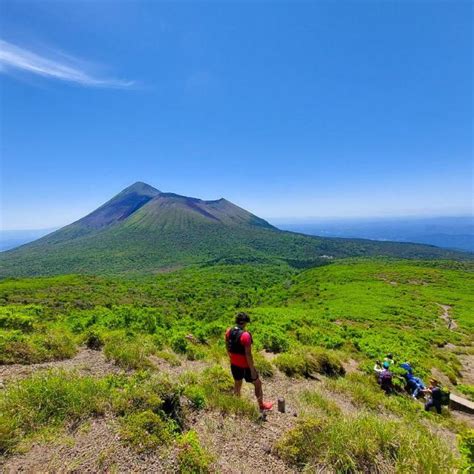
x=436 y=396
x=389 y=359
x=384 y=376
x=239 y=348
x=414 y=385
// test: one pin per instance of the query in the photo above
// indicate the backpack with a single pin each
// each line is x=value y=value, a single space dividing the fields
x=233 y=343
x=386 y=377
x=445 y=394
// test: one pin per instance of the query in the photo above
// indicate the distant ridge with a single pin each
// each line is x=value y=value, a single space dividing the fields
x=143 y=230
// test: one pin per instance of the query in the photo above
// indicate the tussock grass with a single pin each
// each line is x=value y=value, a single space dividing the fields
x=146 y=430
x=317 y=401
x=169 y=357
x=54 y=398
x=128 y=353
x=49 y=344
x=192 y=457
x=365 y=443
x=49 y=398
x=264 y=367
x=307 y=361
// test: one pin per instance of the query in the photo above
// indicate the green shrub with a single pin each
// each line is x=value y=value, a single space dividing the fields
x=146 y=430
x=466 y=447
x=126 y=353
x=194 y=352
x=365 y=443
x=217 y=385
x=467 y=390
x=264 y=367
x=196 y=395
x=19 y=348
x=192 y=457
x=292 y=364
x=274 y=340
x=179 y=344
x=316 y=400
x=93 y=339
x=216 y=379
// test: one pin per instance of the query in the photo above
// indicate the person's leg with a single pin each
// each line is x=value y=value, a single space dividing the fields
x=238 y=375
x=237 y=387
x=258 y=391
x=429 y=405
x=438 y=408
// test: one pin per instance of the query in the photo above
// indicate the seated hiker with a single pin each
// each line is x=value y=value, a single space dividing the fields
x=436 y=396
x=384 y=376
x=389 y=358
x=239 y=348
x=414 y=385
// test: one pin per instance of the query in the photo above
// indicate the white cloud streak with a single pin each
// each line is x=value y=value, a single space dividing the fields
x=14 y=57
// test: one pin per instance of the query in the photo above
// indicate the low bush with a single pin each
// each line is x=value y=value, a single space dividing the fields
x=146 y=430
x=315 y=400
x=196 y=395
x=19 y=348
x=192 y=457
x=128 y=353
x=264 y=367
x=274 y=340
x=93 y=339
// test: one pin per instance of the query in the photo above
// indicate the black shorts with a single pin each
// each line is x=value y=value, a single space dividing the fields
x=240 y=373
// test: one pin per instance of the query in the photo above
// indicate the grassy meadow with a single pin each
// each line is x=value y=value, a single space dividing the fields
x=306 y=323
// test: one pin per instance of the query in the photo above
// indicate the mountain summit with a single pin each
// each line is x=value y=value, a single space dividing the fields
x=143 y=230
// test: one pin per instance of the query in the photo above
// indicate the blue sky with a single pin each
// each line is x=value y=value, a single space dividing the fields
x=293 y=109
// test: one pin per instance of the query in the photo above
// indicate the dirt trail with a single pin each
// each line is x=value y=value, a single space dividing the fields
x=86 y=362
x=450 y=322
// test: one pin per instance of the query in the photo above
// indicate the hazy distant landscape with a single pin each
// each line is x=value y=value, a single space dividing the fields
x=448 y=232
x=451 y=232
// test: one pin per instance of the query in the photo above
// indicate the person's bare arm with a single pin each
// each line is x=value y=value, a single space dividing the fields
x=248 y=355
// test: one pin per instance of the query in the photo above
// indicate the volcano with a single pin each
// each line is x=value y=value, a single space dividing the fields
x=143 y=230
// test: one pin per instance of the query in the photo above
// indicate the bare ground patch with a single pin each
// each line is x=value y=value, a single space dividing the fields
x=85 y=362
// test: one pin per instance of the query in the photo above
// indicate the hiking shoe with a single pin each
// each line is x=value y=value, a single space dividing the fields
x=266 y=406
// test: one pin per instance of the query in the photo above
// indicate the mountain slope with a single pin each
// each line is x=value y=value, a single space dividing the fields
x=142 y=230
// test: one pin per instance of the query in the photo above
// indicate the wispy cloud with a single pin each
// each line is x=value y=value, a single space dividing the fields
x=66 y=68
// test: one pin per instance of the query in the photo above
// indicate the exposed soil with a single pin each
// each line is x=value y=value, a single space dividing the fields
x=467 y=372
x=85 y=362
x=93 y=447
x=450 y=322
